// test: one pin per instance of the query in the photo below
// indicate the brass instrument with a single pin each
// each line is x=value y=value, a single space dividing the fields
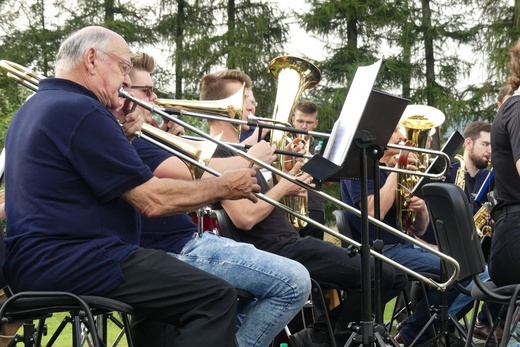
x=201 y=151
x=230 y=107
x=293 y=75
x=418 y=121
x=481 y=217
x=298 y=203
x=441 y=286
x=460 y=178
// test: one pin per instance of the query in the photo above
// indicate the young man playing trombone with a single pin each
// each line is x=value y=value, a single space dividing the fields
x=269 y=229
x=280 y=286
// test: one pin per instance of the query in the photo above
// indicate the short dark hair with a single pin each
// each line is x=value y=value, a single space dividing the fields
x=213 y=86
x=473 y=129
x=306 y=106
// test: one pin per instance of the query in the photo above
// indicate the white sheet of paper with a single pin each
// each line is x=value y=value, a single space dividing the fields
x=345 y=127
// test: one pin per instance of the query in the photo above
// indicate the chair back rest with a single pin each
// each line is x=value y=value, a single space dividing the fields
x=343 y=226
x=227 y=228
x=451 y=215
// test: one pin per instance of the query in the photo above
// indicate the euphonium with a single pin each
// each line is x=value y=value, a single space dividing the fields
x=293 y=75
x=418 y=121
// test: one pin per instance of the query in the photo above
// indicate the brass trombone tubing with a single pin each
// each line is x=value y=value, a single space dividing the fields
x=434 y=176
x=153 y=108
x=441 y=286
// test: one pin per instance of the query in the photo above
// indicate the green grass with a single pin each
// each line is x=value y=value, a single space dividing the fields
x=65 y=338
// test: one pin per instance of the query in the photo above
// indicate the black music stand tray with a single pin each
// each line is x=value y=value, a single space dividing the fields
x=367 y=120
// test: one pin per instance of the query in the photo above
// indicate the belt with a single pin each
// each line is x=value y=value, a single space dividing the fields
x=502 y=211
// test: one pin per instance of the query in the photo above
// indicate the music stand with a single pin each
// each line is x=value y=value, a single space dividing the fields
x=378 y=112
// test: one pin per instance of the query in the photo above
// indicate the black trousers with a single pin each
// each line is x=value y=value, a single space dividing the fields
x=504 y=255
x=311 y=230
x=330 y=263
x=202 y=307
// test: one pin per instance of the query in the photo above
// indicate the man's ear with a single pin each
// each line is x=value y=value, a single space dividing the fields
x=467 y=142
x=90 y=60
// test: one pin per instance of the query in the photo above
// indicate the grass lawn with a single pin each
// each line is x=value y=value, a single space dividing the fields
x=65 y=338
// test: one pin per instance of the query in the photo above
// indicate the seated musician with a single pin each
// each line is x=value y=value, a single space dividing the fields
x=269 y=229
x=280 y=286
x=414 y=258
x=470 y=175
x=76 y=189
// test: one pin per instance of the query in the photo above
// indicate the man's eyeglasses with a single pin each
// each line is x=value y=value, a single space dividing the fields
x=124 y=65
x=484 y=144
x=147 y=89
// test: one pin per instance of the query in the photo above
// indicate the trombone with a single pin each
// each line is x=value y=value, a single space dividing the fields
x=166 y=113
x=153 y=108
x=441 y=286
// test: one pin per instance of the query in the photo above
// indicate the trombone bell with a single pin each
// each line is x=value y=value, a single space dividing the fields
x=201 y=151
x=230 y=107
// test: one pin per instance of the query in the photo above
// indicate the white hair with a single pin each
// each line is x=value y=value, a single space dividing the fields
x=72 y=49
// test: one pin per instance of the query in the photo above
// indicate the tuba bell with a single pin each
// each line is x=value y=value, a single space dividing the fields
x=418 y=122
x=293 y=75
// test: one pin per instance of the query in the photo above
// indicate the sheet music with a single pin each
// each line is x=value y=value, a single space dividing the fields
x=345 y=127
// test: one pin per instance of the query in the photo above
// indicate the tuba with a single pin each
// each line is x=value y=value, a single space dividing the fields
x=293 y=75
x=418 y=121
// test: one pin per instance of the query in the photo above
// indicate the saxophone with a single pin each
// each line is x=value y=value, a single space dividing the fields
x=460 y=178
x=480 y=218
x=482 y=221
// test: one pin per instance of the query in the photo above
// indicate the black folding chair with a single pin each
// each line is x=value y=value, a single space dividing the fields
x=27 y=307
x=452 y=218
x=403 y=303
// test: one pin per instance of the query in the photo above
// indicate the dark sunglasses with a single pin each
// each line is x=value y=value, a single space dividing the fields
x=148 y=89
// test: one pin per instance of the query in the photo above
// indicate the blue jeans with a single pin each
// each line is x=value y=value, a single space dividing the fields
x=281 y=286
x=463 y=300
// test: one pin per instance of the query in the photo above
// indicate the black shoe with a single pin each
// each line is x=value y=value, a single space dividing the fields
x=310 y=337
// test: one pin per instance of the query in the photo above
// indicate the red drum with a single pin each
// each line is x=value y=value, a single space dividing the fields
x=209 y=222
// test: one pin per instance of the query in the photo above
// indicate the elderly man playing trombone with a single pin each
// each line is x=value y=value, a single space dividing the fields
x=269 y=229
x=279 y=285
x=76 y=189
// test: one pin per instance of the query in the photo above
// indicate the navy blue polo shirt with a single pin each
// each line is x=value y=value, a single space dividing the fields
x=67 y=165
x=169 y=233
x=351 y=195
